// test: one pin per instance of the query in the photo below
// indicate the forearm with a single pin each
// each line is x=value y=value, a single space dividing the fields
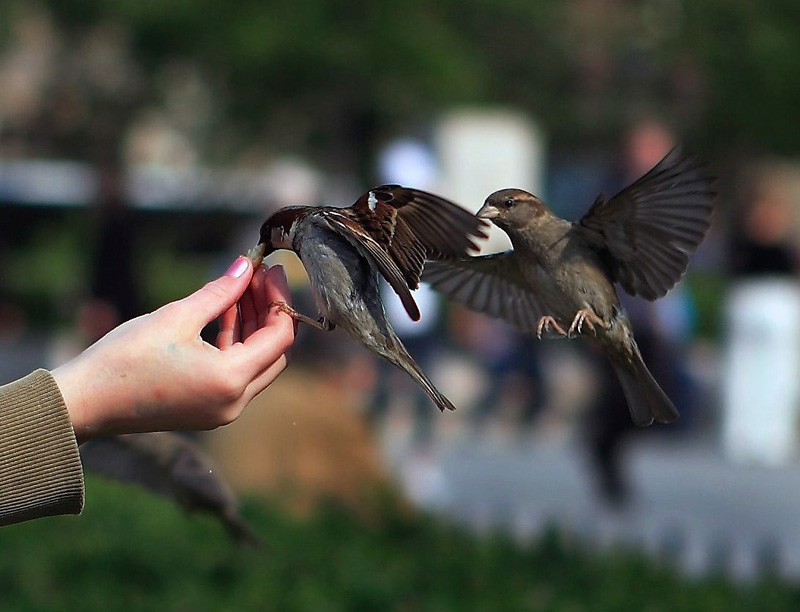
x=153 y=373
x=40 y=468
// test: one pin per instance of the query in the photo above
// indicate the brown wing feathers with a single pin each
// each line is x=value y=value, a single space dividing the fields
x=404 y=228
x=650 y=228
x=414 y=225
x=445 y=229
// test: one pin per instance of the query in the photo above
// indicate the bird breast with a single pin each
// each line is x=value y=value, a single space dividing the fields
x=573 y=277
x=341 y=278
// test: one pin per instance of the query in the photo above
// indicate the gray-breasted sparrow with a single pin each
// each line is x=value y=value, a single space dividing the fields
x=391 y=230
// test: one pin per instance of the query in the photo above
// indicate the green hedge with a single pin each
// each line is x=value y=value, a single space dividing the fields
x=132 y=551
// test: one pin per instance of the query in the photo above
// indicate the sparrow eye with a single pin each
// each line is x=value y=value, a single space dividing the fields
x=509 y=202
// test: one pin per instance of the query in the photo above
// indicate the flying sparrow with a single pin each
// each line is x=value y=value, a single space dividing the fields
x=174 y=466
x=391 y=230
x=559 y=277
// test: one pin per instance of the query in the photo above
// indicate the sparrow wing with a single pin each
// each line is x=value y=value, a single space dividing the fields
x=648 y=230
x=414 y=225
x=339 y=221
x=119 y=459
x=173 y=466
x=494 y=285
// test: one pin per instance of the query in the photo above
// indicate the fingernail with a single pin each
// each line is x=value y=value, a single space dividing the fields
x=282 y=271
x=238 y=267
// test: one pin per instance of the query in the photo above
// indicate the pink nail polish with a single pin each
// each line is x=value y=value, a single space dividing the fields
x=238 y=267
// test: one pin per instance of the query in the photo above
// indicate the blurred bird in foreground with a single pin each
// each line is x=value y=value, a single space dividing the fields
x=559 y=277
x=171 y=465
x=391 y=230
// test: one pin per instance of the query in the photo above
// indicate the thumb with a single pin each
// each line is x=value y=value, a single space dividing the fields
x=217 y=296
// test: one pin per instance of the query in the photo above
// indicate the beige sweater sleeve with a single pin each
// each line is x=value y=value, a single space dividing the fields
x=40 y=467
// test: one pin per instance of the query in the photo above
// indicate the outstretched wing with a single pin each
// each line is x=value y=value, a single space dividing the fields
x=414 y=225
x=494 y=285
x=648 y=230
x=365 y=243
x=167 y=463
x=400 y=228
x=173 y=466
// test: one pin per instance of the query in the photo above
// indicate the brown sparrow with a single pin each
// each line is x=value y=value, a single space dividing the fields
x=559 y=277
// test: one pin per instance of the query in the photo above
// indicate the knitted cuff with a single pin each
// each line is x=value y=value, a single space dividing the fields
x=40 y=467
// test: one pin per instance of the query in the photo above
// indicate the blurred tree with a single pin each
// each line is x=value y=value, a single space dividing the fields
x=750 y=52
x=331 y=79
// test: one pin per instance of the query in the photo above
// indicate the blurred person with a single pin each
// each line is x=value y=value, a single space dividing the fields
x=608 y=425
x=21 y=350
x=21 y=347
x=761 y=389
x=408 y=161
x=114 y=295
x=153 y=373
x=663 y=331
x=506 y=357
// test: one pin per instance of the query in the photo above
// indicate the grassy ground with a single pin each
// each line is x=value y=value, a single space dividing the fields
x=132 y=551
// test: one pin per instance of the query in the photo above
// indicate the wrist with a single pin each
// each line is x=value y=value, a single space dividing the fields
x=76 y=395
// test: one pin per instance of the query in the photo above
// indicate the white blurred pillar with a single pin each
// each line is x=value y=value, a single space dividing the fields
x=762 y=372
x=481 y=151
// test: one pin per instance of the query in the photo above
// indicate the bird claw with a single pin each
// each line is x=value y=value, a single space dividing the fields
x=322 y=323
x=587 y=317
x=546 y=323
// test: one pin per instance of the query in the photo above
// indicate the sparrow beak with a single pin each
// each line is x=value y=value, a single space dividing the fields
x=488 y=211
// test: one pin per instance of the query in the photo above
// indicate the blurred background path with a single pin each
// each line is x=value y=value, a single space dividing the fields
x=688 y=504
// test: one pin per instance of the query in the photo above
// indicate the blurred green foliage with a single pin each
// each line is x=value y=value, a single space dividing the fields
x=135 y=552
x=330 y=79
x=750 y=53
x=49 y=263
x=48 y=274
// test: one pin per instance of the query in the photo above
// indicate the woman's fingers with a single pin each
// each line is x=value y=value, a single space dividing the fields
x=229 y=328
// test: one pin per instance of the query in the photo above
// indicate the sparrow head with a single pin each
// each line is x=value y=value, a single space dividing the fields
x=509 y=208
x=278 y=231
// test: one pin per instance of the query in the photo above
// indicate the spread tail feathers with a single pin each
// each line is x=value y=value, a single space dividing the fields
x=646 y=399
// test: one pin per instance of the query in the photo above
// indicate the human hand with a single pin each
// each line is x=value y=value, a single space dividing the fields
x=155 y=373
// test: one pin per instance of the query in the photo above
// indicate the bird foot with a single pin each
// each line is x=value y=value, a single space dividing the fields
x=322 y=323
x=587 y=317
x=547 y=323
